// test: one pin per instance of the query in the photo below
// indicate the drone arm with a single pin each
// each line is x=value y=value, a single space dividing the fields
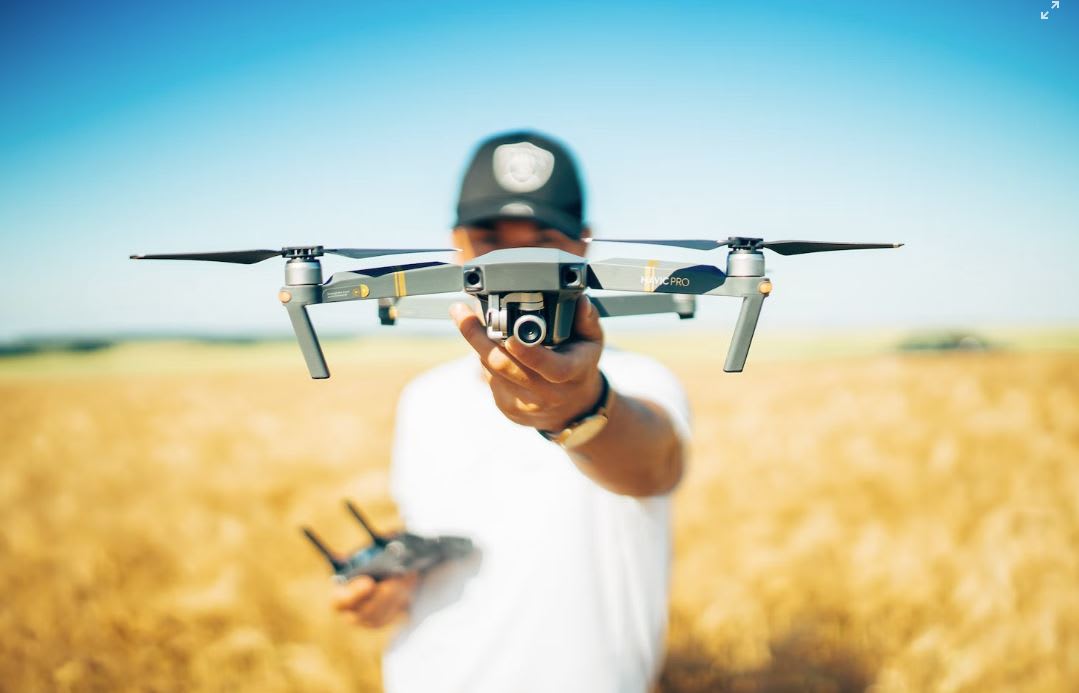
x=646 y=304
x=423 y=307
x=654 y=276
x=672 y=278
x=393 y=282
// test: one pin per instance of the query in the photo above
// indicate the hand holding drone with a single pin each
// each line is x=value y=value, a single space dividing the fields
x=531 y=293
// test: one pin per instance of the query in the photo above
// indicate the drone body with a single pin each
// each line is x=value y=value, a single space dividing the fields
x=390 y=556
x=532 y=293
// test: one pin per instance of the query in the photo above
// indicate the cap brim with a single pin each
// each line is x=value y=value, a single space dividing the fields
x=485 y=211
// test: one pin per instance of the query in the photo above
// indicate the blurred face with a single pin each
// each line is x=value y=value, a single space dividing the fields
x=513 y=233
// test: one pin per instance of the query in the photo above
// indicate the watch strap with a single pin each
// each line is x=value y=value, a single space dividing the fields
x=599 y=408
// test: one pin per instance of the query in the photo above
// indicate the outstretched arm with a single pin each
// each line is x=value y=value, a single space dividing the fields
x=638 y=453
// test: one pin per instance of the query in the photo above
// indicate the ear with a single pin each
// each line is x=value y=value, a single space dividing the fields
x=581 y=244
x=459 y=239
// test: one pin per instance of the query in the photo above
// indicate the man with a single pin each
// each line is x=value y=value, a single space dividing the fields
x=567 y=588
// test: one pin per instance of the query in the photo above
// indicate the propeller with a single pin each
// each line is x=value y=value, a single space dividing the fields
x=250 y=257
x=742 y=243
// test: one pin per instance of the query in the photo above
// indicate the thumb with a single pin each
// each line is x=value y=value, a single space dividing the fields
x=586 y=322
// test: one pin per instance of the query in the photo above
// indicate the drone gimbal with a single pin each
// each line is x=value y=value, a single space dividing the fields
x=531 y=293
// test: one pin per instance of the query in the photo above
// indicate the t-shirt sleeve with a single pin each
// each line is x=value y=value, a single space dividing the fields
x=644 y=377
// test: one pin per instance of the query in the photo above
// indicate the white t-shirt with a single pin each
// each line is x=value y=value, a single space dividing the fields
x=567 y=587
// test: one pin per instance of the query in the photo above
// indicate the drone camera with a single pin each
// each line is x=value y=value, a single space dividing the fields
x=473 y=279
x=530 y=329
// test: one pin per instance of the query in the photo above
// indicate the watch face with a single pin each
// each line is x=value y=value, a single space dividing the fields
x=584 y=431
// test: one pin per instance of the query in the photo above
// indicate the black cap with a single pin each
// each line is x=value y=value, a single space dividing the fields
x=522 y=175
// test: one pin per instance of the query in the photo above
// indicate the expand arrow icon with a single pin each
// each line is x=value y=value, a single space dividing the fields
x=1055 y=5
x=1045 y=15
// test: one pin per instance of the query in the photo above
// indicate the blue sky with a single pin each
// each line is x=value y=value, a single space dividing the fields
x=135 y=127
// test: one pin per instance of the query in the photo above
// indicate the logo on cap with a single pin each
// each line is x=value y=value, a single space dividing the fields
x=519 y=209
x=522 y=167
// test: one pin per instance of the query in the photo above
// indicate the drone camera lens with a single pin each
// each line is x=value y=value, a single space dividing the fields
x=570 y=276
x=529 y=332
x=530 y=329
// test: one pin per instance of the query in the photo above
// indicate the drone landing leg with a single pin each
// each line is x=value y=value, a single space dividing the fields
x=308 y=340
x=743 y=333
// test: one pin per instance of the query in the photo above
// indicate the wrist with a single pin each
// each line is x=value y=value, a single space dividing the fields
x=590 y=400
x=588 y=422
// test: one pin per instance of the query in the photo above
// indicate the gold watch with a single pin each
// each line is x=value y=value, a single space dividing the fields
x=587 y=426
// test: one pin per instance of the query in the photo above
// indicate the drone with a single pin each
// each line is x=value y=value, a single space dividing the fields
x=390 y=556
x=530 y=293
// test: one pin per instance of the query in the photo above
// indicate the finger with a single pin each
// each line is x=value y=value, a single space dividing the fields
x=406 y=594
x=501 y=363
x=492 y=355
x=571 y=363
x=576 y=359
x=411 y=581
x=517 y=375
x=397 y=605
x=353 y=593
x=586 y=325
x=403 y=605
x=474 y=332
x=470 y=326
x=372 y=612
x=380 y=608
x=515 y=401
x=552 y=366
x=462 y=307
x=397 y=598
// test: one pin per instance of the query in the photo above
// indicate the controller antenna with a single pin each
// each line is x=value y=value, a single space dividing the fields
x=379 y=540
x=330 y=557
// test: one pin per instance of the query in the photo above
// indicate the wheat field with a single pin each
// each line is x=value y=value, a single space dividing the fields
x=875 y=521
